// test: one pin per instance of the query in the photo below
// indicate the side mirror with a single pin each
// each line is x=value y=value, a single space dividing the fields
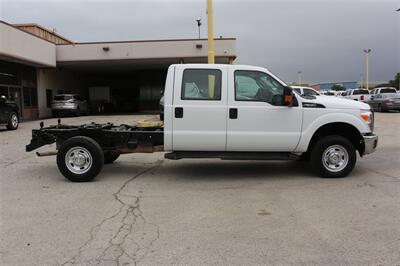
x=287 y=96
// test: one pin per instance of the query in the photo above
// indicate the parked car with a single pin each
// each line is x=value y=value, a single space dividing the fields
x=305 y=91
x=377 y=91
x=361 y=95
x=68 y=104
x=231 y=112
x=9 y=114
x=385 y=102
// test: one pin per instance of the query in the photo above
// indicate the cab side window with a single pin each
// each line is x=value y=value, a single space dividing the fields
x=257 y=86
x=201 y=84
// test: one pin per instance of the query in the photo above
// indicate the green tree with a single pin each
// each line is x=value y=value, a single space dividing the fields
x=338 y=88
x=396 y=82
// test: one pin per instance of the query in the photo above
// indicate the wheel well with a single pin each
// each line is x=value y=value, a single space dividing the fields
x=341 y=129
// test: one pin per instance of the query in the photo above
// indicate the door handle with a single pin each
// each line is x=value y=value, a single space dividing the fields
x=233 y=113
x=178 y=112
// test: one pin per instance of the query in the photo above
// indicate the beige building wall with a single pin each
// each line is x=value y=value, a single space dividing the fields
x=144 y=50
x=26 y=48
x=55 y=80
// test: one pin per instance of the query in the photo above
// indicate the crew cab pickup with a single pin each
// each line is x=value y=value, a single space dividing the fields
x=361 y=95
x=231 y=112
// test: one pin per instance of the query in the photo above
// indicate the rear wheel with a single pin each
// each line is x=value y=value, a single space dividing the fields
x=13 y=121
x=333 y=156
x=80 y=159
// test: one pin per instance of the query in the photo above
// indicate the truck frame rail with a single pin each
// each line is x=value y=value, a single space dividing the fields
x=122 y=138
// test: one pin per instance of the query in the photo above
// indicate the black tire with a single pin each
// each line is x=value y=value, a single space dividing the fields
x=13 y=121
x=78 y=112
x=329 y=143
x=92 y=148
x=380 y=108
x=110 y=157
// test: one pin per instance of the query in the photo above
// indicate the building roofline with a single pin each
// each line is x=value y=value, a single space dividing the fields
x=43 y=28
x=11 y=25
x=140 y=41
x=15 y=26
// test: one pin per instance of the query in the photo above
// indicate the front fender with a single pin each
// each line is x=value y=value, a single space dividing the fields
x=311 y=125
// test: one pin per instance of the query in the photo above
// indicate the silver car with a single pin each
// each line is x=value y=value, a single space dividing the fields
x=68 y=104
x=385 y=102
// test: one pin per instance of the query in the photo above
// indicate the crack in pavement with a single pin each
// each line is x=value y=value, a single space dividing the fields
x=124 y=238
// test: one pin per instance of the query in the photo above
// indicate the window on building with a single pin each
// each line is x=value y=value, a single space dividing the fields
x=30 y=97
x=49 y=98
x=201 y=84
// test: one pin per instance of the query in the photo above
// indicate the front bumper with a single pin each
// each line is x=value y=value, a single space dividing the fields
x=370 y=143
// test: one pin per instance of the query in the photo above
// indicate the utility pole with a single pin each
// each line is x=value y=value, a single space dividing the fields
x=367 y=51
x=199 y=24
x=299 y=77
x=211 y=57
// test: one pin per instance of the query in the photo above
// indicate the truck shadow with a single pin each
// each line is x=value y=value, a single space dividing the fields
x=217 y=170
x=233 y=170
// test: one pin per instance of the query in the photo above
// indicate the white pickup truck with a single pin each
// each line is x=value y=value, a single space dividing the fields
x=227 y=112
x=361 y=95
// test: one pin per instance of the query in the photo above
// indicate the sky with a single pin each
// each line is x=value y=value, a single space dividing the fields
x=323 y=39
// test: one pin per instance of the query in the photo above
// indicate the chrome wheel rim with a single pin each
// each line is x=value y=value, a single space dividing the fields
x=78 y=160
x=335 y=158
x=14 y=120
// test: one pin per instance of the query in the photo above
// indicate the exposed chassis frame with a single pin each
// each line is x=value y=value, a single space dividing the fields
x=121 y=139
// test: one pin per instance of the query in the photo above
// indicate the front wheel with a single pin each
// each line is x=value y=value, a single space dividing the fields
x=13 y=121
x=333 y=156
x=80 y=159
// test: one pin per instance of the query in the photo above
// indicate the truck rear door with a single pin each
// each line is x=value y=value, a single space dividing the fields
x=199 y=108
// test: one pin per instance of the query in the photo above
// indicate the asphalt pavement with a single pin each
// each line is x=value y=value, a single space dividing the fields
x=145 y=210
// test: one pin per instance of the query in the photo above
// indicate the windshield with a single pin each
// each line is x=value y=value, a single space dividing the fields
x=309 y=92
x=297 y=90
x=358 y=92
x=62 y=97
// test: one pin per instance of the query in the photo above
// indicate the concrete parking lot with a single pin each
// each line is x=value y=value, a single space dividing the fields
x=146 y=210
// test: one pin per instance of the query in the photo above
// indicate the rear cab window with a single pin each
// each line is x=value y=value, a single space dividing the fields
x=388 y=90
x=358 y=92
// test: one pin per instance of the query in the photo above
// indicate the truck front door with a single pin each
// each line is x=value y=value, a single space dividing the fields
x=258 y=119
x=199 y=108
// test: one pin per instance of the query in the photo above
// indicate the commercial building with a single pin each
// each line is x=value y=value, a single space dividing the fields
x=328 y=85
x=128 y=76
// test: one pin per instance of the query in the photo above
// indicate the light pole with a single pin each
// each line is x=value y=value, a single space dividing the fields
x=199 y=24
x=367 y=51
x=211 y=58
x=299 y=77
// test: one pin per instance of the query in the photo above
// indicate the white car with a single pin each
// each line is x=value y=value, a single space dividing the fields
x=231 y=112
x=305 y=91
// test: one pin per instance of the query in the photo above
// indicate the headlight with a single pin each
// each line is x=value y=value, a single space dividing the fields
x=368 y=117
